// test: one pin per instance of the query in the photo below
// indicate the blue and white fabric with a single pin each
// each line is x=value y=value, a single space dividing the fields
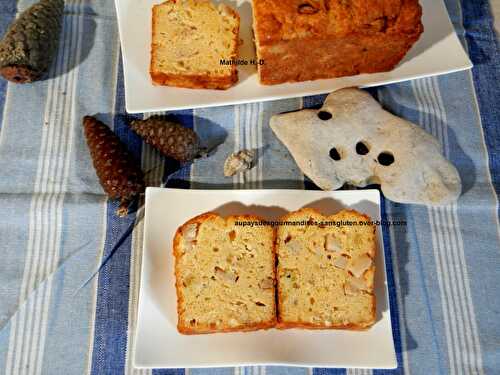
x=56 y=226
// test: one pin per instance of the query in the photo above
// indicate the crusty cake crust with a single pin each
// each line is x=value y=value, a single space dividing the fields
x=302 y=40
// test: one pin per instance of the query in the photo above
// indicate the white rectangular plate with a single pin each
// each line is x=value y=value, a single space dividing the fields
x=437 y=52
x=159 y=345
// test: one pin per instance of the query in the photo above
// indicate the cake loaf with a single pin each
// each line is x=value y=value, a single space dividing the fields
x=225 y=275
x=190 y=38
x=325 y=271
x=301 y=40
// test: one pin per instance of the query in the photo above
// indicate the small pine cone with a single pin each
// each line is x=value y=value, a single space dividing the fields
x=119 y=174
x=171 y=139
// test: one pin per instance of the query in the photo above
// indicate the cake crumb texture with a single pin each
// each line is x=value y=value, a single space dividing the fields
x=190 y=37
x=225 y=275
x=325 y=273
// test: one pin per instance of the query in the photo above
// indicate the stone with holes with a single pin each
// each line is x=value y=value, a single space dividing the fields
x=353 y=140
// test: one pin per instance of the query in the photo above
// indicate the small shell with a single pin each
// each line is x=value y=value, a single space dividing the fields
x=239 y=162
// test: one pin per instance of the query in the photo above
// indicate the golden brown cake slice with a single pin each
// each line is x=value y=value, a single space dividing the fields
x=325 y=272
x=225 y=275
x=190 y=38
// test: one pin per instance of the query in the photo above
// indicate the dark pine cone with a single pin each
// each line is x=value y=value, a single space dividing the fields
x=119 y=174
x=30 y=43
x=171 y=139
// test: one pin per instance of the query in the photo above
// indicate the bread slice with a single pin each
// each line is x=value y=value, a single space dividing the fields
x=325 y=272
x=190 y=38
x=225 y=275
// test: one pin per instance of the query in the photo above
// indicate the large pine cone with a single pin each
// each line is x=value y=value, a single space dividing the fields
x=118 y=172
x=171 y=139
x=30 y=44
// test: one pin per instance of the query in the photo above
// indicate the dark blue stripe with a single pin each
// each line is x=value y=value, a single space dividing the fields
x=314 y=102
x=7 y=13
x=168 y=372
x=485 y=54
x=329 y=371
x=391 y=285
x=111 y=321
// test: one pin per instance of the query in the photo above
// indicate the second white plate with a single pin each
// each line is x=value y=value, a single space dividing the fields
x=437 y=52
x=159 y=345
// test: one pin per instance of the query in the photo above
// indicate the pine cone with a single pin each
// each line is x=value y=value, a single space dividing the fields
x=30 y=44
x=171 y=139
x=119 y=174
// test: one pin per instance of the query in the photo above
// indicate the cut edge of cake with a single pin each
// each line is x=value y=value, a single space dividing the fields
x=200 y=219
x=284 y=324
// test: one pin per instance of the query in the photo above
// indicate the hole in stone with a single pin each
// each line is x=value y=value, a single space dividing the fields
x=334 y=154
x=385 y=158
x=288 y=238
x=216 y=249
x=362 y=148
x=232 y=235
x=258 y=303
x=192 y=322
x=324 y=115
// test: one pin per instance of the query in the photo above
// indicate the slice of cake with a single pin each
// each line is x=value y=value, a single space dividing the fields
x=191 y=40
x=325 y=271
x=225 y=275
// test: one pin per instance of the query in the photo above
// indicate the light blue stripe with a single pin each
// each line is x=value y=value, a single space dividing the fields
x=325 y=371
x=9 y=232
x=213 y=126
x=422 y=318
x=212 y=371
x=278 y=370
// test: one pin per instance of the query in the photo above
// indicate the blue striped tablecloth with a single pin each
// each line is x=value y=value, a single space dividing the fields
x=56 y=226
